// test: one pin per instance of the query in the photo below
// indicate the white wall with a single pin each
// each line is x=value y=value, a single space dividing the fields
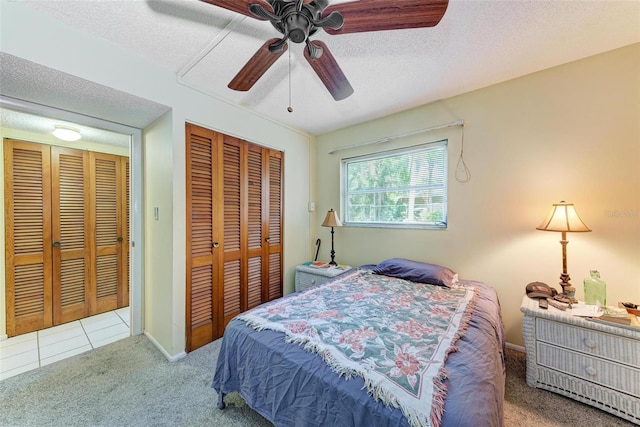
x=568 y=133
x=28 y=34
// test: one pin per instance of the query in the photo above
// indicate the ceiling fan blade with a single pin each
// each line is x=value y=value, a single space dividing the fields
x=329 y=72
x=256 y=67
x=240 y=6
x=380 y=15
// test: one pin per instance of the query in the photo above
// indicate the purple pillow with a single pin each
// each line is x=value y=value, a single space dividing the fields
x=416 y=271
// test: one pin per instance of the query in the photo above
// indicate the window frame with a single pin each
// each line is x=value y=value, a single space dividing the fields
x=345 y=194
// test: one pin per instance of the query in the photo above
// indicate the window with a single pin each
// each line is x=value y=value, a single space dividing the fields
x=404 y=188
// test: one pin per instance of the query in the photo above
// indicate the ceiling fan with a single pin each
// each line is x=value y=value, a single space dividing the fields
x=297 y=20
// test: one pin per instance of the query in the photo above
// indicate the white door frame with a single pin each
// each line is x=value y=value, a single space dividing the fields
x=136 y=229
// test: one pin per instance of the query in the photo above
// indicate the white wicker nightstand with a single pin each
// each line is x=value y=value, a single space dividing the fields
x=591 y=362
x=308 y=276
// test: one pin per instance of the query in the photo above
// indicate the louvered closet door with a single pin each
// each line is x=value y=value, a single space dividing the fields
x=256 y=227
x=71 y=229
x=107 y=215
x=275 y=176
x=204 y=302
x=28 y=242
x=234 y=254
x=124 y=248
x=234 y=204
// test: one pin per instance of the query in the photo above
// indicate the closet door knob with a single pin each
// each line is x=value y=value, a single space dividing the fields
x=120 y=239
x=215 y=244
x=56 y=244
x=267 y=239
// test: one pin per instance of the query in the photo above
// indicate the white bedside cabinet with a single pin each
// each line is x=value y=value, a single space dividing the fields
x=309 y=276
x=594 y=363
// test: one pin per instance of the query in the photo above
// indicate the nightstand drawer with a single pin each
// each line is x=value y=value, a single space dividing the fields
x=619 y=377
x=621 y=404
x=310 y=276
x=601 y=344
x=304 y=280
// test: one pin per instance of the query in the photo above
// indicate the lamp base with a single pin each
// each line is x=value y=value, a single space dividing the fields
x=568 y=290
x=333 y=253
x=333 y=256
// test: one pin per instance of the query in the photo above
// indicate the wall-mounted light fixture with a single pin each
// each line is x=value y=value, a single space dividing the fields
x=66 y=133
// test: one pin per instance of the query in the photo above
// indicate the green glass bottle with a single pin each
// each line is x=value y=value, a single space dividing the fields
x=595 y=289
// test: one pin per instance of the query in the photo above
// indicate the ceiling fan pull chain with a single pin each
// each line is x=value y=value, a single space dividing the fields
x=289 y=108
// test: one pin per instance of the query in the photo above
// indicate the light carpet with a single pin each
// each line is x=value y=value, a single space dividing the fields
x=130 y=383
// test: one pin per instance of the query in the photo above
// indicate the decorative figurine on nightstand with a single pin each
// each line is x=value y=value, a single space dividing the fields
x=570 y=292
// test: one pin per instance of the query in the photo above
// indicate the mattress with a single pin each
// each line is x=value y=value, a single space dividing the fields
x=293 y=387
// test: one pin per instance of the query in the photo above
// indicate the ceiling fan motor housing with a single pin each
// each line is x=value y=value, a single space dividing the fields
x=297 y=27
x=296 y=19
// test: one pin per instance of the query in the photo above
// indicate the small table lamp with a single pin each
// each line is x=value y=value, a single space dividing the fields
x=332 y=220
x=563 y=217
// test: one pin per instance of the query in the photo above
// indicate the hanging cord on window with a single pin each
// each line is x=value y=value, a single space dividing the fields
x=289 y=108
x=463 y=174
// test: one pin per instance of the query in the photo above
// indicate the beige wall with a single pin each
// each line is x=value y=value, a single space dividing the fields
x=568 y=133
x=157 y=152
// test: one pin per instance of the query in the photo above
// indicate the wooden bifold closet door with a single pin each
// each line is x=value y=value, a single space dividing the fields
x=65 y=211
x=234 y=230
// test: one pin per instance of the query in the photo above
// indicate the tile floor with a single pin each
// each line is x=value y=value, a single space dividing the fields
x=29 y=351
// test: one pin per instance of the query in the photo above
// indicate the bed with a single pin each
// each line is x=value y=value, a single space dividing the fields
x=327 y=369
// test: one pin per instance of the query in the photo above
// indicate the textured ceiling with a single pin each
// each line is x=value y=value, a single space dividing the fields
x=14 y=119
x=22 y=80
x=477 y=43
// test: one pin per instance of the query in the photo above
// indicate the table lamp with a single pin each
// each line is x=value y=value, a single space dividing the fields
x=332 y=220
x=563 y=217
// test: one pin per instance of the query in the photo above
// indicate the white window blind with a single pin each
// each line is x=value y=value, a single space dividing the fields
x=404 y=188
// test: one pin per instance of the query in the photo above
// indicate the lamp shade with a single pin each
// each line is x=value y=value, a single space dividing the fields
x=563 y=217
x=331 y=220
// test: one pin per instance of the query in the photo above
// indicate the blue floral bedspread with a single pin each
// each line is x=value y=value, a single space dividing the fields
x=393 y=333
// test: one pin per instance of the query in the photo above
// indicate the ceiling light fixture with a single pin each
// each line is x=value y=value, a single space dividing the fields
x=66 y=133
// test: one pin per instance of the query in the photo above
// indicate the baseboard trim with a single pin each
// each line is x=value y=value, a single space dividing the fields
x=4 y=337
x=515 y=347
x=169 y=357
